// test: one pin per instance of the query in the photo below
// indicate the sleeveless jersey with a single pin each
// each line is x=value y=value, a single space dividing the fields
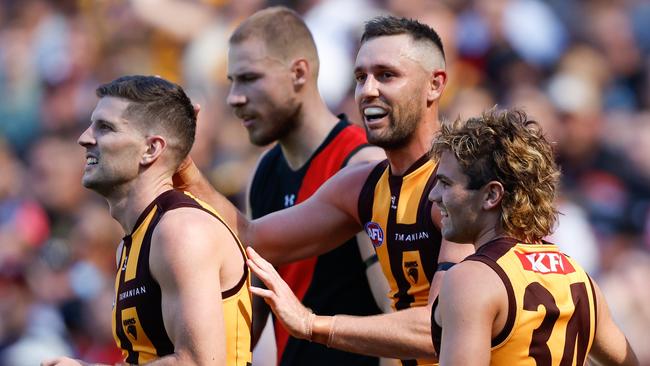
x=551 y=305
x=332 y=283
x=138 y=326
x=396 y=214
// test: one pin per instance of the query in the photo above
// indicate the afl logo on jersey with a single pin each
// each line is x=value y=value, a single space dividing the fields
x=375 y=233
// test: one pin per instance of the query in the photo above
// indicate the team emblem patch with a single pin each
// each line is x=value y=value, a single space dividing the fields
x=375 y=233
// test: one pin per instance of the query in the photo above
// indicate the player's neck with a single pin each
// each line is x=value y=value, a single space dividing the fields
x=401 y=159
x=127 y=202
x=315 y=122
x=491 y=232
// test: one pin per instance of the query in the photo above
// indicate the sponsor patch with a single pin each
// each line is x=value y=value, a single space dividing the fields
x=375 y=233
x=545 y=262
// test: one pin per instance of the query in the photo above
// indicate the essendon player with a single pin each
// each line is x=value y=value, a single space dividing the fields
x=273 y=68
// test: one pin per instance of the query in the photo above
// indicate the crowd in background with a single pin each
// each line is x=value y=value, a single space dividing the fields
x=581 y=68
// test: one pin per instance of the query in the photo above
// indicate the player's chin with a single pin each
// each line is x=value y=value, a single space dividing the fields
x=448 y=233
x=259 y=138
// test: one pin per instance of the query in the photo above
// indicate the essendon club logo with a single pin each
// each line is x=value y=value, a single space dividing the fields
x=545 y=262
x=375 y=233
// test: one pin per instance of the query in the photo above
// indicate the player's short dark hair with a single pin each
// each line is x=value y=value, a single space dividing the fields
x=391 y=26
x=159 y=105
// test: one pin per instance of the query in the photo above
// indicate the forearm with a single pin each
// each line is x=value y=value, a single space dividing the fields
x=172 y=360
x=404 y=334
x=179 y=358
x=299 y=232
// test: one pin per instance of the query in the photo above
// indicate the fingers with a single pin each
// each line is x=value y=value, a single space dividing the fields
x=261 y=274
x=262 y=292
x=262 y=269
x=261 y=263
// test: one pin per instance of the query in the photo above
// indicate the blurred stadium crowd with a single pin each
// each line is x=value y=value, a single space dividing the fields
x=581 y=68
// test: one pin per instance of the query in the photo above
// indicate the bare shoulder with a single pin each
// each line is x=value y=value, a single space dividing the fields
x=369 y=153
x=189 y=237
x=472 y=284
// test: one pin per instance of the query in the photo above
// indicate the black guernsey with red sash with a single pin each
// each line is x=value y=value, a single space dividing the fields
x=335 y=282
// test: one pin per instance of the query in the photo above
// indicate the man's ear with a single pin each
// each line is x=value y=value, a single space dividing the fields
x=156 y=144
x=493 y=194
x=438 y=80
x=300 y=71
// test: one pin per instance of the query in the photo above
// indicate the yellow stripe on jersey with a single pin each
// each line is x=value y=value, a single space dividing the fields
x=412 y=192
x=133 y=329
x=380 y=216
x=396 y=215
x=136 y=244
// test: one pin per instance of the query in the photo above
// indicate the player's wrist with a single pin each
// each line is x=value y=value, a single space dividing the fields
x=308 y=326
x=323 y=329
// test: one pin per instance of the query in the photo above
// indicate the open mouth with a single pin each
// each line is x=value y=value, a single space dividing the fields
x=91 y=160
x=443 y=212
x=373 y=114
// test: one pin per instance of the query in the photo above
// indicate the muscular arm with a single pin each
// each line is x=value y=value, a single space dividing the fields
x=610 y=346
x=189 y=266
x=471 y=313
x=315 y=226
x=402 y=334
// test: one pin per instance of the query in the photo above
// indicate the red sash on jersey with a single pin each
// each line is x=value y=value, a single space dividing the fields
x=323 y=166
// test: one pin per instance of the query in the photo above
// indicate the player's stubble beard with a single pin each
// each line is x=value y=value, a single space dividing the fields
x=400 y=128
x=281 y=123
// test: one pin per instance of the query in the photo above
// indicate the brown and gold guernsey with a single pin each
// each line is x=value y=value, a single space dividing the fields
x=551 y=305
x=138 y=326
x=396 y=214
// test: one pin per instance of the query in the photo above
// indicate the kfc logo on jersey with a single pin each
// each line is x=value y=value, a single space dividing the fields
x=375 y=233
x=545 y=262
